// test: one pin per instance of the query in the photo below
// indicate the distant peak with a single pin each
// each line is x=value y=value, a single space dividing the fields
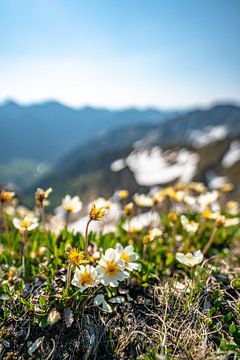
x=10 y=103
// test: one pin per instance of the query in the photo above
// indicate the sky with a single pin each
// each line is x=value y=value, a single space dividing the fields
x=120 y=53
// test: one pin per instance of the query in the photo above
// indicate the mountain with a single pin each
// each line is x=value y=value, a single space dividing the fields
x=44 y=132
x=191 y=147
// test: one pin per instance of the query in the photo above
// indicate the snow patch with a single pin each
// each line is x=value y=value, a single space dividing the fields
x=232 y=155
x=209 y=134
x=214 y=181
x=118 y=165
x=155 y=166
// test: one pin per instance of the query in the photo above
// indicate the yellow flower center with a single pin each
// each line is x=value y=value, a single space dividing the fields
x=6 y=196
x=76 y=257
x=86 y=278
x=125 y=257
x=111 y=268
x=25 y=224
x=69 y=208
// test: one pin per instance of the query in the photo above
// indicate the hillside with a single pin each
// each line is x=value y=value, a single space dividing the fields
x=44 y=132
x=145 y=156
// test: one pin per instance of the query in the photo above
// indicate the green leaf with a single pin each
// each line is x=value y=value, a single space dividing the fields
x=232 y=328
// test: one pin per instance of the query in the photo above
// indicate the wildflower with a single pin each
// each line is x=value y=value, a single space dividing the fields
x=41 y=201
x=207 y=199
x=72 y=205
x=172 y=216
x=41 y=196
x=232 y=207
x=198 y=187
x=53 y=317
x=158 y=198
x=111 y=268
x=85 y=276
x=189 y=225
x=97 y=213
x=177 y=196
x=137 y=223
x=143 y=200
x=189 y=200
x=221 y=220
x=208 y=214
x=228 y=187
x=189 y=259
x=76 y=257
x=231 y=222
x=26 y=224
x=128 y=255
x=6 y=196
x=128 y=209
x=123 y=194
x=154 y=233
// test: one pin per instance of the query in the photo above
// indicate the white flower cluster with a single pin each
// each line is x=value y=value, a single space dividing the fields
x=113 y=267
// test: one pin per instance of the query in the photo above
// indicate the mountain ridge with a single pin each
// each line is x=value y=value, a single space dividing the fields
x=33 y=128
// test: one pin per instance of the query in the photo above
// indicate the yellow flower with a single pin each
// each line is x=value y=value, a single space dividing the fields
x=41 y=196
x=97 y=213
x=227 y=187
x=128 y=209
x=123 y=194
x=6 y=196
x=208 y=214
x=172 y=216
x=76 y=257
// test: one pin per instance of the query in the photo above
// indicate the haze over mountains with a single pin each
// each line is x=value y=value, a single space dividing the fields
x=96 y=151
x=201 y=145
x=43 y=132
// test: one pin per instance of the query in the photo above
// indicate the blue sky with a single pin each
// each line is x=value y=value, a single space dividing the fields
x=118 y=53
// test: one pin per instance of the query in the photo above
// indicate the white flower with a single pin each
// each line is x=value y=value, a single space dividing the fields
x=232 y=207
x=190 y=200
x=72 y=205
x=207 y=199
x=85 y=276
x=190 y=259
x=189 y=225
x=128 y=255
x=100 y=203
x=141 y=221
x=111 y=268
x=231 y=222
x=155 y=233
x=143 y=200
x=53 y=317
x=28 y=223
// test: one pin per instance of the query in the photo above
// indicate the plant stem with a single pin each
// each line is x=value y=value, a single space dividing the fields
x=5 y=223
x=69 y=270
x=210 y=241
x=67 y=219
x=144 y=251
x=23 y=253
x=43 y=217
x=86 y=239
